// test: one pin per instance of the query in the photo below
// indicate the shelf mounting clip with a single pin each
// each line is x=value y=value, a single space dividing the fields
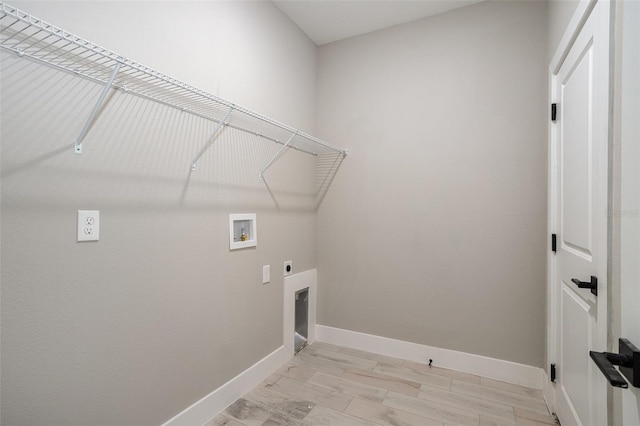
x=96 y=109
x=213 y=136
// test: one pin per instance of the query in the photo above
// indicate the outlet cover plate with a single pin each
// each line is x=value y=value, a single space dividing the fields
x=88 y=225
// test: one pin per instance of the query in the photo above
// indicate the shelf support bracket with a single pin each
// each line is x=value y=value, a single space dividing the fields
x=96 y=109
x=210 y=141
x=278 y=154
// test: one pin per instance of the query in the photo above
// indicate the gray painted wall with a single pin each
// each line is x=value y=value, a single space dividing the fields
x=559 y=15
x=435 y=228
x=433 y=231
x=157 y=314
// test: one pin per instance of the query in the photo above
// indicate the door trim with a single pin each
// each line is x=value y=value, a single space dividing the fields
x=576 y=23
x=626 y=206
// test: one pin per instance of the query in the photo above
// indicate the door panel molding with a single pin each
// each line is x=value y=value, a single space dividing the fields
x=577 y=212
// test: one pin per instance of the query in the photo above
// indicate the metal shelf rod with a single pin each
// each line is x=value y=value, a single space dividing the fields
x=96 y=109
x=31 y=37
x=210 y=141
x=278 y=154
x=125 y=89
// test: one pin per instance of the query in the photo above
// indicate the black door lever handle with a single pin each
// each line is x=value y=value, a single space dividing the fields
x=605 y=362
x=628 y=359
x=592 y=285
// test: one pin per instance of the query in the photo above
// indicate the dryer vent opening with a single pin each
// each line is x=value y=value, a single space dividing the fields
x=301 y=326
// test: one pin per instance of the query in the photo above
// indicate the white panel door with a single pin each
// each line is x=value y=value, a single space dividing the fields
x=580 y=180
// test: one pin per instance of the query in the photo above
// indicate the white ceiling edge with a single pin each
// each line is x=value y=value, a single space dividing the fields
x=326 y=21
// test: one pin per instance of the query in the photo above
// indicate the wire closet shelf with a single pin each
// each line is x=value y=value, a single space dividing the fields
x=30 y=37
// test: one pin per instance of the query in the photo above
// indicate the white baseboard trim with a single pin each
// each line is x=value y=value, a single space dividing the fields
x=212 y=404
x=205 y=409
x=505 y=371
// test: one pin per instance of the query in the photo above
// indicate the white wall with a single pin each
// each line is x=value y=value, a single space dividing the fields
x=157 y=314
x=434 y=231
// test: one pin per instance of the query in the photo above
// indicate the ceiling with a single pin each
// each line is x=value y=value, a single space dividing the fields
x=325 y=21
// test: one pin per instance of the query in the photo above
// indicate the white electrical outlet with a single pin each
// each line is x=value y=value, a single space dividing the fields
x=288 y=268
x=88 y=225
x=266 y=274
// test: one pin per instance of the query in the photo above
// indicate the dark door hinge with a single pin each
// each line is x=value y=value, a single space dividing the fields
x=554 y=239
x=553 y=373
x=554 y=109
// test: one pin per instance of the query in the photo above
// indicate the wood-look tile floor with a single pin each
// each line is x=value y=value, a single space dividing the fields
x=332 y=385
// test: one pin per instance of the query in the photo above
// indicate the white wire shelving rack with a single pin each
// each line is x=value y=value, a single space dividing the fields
x=33 y=38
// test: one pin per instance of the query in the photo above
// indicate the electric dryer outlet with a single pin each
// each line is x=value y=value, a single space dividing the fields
x=288 y=268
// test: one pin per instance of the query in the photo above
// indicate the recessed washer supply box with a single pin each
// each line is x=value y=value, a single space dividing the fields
x=243 y=231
